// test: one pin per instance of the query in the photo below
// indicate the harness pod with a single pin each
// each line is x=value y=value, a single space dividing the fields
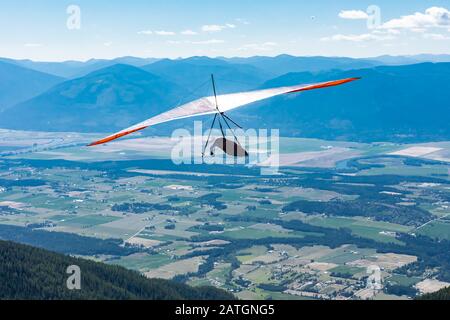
x=229 y=147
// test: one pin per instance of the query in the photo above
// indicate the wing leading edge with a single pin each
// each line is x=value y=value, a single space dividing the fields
x=227 y=102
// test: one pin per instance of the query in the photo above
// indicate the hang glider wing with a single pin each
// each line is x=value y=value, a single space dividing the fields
x=226 y=102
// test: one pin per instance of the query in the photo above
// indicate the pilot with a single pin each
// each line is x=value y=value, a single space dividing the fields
x=229 y=147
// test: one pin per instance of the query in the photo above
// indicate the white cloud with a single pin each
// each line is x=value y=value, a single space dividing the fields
x=108 y=44
x=146 y=32
x=359 y=37
x=353 y=15
x=158 y=33
x=436 y=36
x=175 y=42
x=433 y=17
x=242 y=21
x=165 y=33
x=217 y=27
x=189 y=33
x=33 y=45
x=211 y=41
x=386 y=31
x=212 y=28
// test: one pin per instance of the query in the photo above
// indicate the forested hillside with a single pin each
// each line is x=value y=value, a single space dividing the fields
x=32 y=273
x=443 y=294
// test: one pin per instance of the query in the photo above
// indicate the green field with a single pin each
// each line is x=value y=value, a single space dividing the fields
x=142 y=262
x=341 y=256
x=426 y=171
x=438 y=229
x=251 y=253
x=250 y=233
x=403 y=280
x=347 y=270
x=88 y=221
x=362 y=227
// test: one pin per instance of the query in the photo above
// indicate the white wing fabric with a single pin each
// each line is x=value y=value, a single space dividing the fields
x=226 y=102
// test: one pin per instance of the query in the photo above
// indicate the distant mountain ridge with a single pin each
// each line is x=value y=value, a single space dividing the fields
x=276 y=66
x=18 y=84
x=74 y=69
x=400 y=103
x=390 y=103
x=105 y=100
x=283 y=64
x=194 y=74
x=412 y=59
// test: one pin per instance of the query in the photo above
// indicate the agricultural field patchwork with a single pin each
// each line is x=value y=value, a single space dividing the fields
x=315 y=230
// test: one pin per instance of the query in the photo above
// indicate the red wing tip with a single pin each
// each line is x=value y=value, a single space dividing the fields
x=349 y=79
x=92 y=144
x=114 y=137
x=326 y=84
x=96 y=143
x=103 y=141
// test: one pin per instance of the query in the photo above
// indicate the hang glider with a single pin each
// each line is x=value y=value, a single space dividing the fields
x=217 y=105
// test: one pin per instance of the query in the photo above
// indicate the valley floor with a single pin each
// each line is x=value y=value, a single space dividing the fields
x=336 y=215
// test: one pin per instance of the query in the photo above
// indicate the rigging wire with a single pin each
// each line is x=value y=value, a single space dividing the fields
x=221 y=128
x=191 y=93
x=217 y=117
x=215 y=92
x=209 y=136
x=232 y=131
x=223 y=114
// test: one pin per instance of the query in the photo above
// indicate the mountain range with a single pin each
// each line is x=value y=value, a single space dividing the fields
x=106 y=99
x=397 y=99
x=74 y=69
x=390 y=103
x=283 y=64
x=18 y=84
x=276 y=66
x=195 y=74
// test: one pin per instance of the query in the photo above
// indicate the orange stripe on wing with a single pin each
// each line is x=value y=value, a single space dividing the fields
x=116 y=136
x=325 y=85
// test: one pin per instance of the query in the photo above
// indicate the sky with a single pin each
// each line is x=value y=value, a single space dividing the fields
x=57 y=30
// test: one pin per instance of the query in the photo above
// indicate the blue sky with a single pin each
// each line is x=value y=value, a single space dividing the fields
x=38 y=29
